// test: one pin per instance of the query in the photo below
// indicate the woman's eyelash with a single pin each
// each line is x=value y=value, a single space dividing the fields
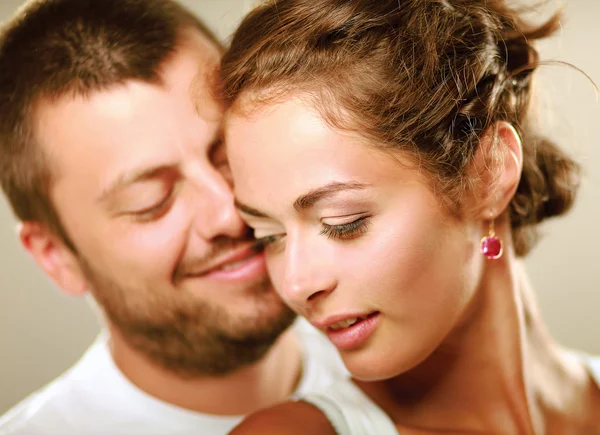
x=347 y=231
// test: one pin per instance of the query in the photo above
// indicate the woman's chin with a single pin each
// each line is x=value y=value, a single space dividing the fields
x=380 y=366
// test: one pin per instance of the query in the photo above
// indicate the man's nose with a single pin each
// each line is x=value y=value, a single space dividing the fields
x=215 y=211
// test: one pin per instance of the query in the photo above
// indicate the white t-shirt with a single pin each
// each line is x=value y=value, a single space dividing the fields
x=95 y=398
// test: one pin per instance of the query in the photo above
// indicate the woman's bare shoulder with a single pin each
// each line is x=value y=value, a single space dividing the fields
x=291 y=418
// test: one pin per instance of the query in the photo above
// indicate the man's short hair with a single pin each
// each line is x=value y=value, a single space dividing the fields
x=53 y=48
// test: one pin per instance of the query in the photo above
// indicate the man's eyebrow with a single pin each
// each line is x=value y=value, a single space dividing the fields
x=129 y=178
x=246 y=209
x=309 y=199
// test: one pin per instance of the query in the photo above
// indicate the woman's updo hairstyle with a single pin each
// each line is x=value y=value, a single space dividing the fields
x=425 y=76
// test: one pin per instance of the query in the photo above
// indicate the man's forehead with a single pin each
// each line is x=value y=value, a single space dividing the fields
x=204 y=97
x=160 y=117
x=113 y=131
x=204 y=92
x=195 y=66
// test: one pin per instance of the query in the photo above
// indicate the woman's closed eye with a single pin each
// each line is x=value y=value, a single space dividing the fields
x=348 y=230
x=339 y=231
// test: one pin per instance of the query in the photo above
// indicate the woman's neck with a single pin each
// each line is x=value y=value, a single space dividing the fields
x=497 y=372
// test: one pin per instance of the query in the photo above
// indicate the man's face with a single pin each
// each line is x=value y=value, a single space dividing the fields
x=141 y=188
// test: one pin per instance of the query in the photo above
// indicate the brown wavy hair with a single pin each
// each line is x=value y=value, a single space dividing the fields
x=425 y=76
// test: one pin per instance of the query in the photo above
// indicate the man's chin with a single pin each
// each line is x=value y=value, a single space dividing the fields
x=266 y=323
x=268 y=313
x=193 y=336
x=216 y=344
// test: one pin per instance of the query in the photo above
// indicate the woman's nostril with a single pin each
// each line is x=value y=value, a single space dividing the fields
x=315 y=295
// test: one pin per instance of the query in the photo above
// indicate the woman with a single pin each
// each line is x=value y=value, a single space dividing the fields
x=385 y=153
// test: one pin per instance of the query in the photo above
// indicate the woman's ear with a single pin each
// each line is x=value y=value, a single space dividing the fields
x=496 y=169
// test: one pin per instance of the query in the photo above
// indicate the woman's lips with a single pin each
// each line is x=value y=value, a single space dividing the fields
x=348 y=332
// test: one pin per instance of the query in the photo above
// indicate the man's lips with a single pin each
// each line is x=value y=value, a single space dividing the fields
x=228 y=261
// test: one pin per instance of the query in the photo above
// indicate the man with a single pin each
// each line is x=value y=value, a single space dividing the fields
x=121 y=186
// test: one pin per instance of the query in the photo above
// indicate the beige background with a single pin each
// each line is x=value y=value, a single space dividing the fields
x=43 y=332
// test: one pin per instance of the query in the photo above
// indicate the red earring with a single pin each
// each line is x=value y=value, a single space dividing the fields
x=491 y=246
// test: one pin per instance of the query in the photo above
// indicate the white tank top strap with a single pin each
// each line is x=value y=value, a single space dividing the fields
x=350 y=411
x=593 y=364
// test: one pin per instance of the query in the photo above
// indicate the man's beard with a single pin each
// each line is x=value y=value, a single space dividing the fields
x=187 y=335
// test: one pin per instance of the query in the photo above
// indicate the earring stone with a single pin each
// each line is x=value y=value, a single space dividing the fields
x=491 y=246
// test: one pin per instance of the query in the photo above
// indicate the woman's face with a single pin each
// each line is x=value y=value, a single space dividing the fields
x=359 y=243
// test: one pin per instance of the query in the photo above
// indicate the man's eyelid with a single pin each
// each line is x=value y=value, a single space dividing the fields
x=264 y=224
x=251 y=217
x=158 y=204
x=262 y=234
x=164 y=199
x=262 y=227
